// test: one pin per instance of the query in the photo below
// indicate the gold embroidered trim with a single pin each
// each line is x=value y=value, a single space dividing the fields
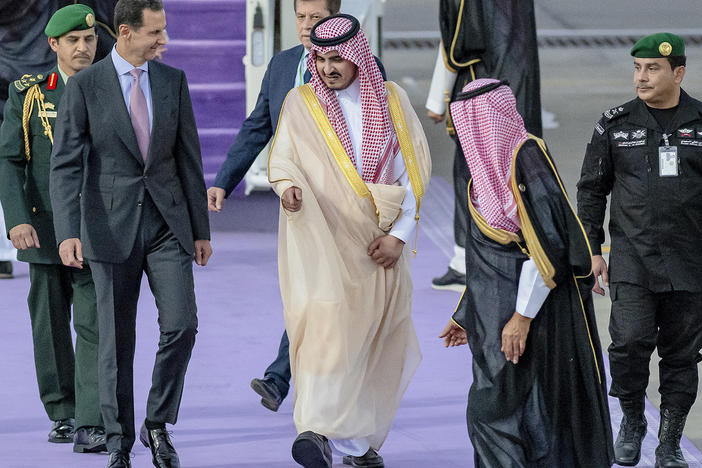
x=455 y=38
x=542 y=145
x=543 y=264
x=334 y=144
x=407 y=149
x=498 y=235
x=443 y=55
x=587 y=327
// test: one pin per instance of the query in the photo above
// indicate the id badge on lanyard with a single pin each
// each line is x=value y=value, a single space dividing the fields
x=667 y=159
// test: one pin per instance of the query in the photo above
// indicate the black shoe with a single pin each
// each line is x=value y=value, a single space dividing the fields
x=668 y=453
x=627 y=448
x=270 y=394
x=370 y=460
x=89 y=439
x=451 y=281
x=312 y=450
x=62 y=431
x=5 y=270
x=159 y=442
x=119 y=459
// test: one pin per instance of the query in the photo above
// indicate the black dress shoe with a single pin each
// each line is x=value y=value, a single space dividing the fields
x=119 y=459
x=451 y=281
x=370 y=460
x=89 y=439
x=62 y=431
x=6 y=270
x=270 y=395
x=312 y=450
x=159 y=442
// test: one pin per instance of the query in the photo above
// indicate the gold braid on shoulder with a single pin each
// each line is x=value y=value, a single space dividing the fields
x=34 y=94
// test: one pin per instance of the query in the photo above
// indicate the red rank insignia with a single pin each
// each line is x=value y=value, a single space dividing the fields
x=53 y=78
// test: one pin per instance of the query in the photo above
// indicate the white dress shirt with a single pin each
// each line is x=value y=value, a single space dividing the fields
x=125 y=81
x=442 y=82
x=350 y=102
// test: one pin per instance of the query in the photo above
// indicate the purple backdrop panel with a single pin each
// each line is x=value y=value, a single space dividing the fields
x=206 y=19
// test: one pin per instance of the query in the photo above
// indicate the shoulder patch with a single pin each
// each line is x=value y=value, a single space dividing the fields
x=599 y=126
x=29 y=80
x=615 y=111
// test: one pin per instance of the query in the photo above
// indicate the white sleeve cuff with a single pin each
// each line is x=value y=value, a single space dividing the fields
x=532 y=291
x=441 y=82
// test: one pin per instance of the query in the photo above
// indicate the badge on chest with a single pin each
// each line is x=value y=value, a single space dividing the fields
x=628 y=138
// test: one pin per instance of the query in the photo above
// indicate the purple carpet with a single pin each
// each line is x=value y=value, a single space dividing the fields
x=221 y=422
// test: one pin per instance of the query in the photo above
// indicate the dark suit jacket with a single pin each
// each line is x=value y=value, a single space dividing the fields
x=259 y=126
x=98 y=177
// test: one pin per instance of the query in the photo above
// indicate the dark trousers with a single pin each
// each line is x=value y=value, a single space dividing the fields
x=461 y=174
x=279 y=370
x=169 y=270
x=68 y=382
x=641 y=321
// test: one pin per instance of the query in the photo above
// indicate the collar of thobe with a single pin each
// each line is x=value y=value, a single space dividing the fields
x=122 y=66
x=350 y=94
x=64 y=75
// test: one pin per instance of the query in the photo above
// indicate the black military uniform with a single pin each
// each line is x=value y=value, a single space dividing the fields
x=651 y=164
x=67 y=383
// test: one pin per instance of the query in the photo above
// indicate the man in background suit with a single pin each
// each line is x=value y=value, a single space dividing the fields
x=286 y=70
x=128 y=192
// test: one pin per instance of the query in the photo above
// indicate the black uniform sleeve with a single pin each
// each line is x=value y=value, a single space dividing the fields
x=596 y=179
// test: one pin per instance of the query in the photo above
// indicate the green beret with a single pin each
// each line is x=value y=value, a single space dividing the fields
x=659 y=45
x=70 y=18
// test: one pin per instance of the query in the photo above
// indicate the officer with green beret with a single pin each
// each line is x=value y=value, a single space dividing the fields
x=646 y=155
x=68 y=385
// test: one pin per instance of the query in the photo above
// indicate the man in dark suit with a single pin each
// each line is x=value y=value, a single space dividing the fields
x=286 y=70
x=128 y=193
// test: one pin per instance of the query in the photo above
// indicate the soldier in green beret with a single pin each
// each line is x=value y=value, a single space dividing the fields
x=646 y=155
x=68 y=384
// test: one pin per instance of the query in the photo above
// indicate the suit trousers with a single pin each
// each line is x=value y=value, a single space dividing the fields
x=279 y=370
x=168 y=268
x=68 y=383
x=642 y=320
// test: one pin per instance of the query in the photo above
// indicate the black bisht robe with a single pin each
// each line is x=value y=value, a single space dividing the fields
x=550 y=409
x=495 y=39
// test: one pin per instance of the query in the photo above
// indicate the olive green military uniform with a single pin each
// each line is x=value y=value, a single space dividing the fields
x=67 y=385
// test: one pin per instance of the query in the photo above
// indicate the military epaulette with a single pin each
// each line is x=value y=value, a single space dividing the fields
x=28 y=81
x=609 y=115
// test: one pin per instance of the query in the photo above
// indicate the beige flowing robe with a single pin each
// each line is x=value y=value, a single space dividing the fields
x=353 y=347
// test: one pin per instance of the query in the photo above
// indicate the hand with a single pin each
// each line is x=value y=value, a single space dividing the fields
x=453 y=335
x=514 y=337
x=71 y=252
x=437 y=118
x=215 y=198
x=203 y=252
x=24 y=236
x=292 y=199
x=599 y=268
x=386 y=250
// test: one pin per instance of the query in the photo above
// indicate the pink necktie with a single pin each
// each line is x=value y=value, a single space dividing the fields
x=139 y=113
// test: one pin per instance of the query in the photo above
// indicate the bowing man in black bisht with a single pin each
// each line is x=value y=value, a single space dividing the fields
x=538 y=396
